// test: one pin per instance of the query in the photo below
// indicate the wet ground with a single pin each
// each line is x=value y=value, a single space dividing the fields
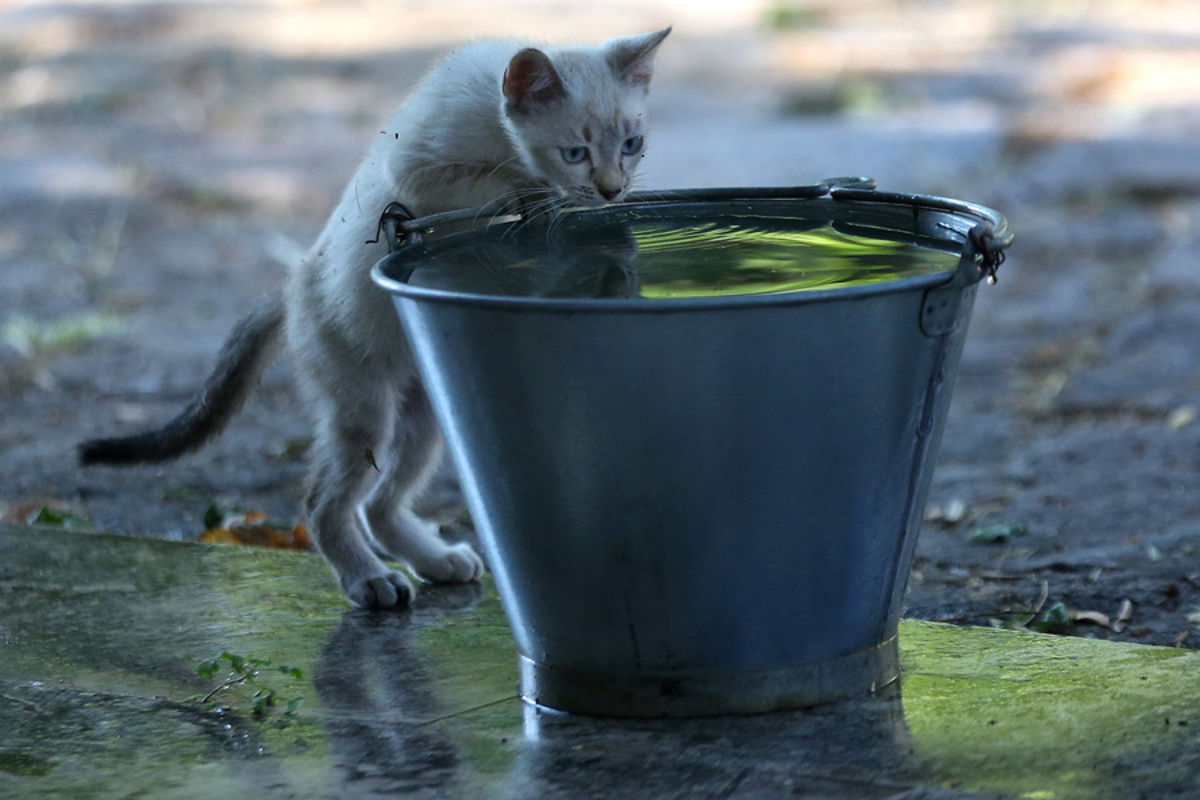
x=162 y=163
x=99 y=703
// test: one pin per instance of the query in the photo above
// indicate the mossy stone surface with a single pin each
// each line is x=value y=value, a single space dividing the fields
x=100 y=637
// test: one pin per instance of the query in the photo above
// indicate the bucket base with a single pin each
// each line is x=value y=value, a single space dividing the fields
x=698 y=694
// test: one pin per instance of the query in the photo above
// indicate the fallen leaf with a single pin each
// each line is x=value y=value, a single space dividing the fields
x=301 y=538
x=213 y=517
x=252 y=530
x=995 y=534
x=951 y=513
x=1181 y=417
x=1057 y=619
x=1096 y=617
x=1124 y=614
x=218 y=536
x=1033 y=612
x=1037 y=607
x=51 y=513
x=20 y=511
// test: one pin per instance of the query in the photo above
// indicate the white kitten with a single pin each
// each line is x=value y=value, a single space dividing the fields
x=495 y=121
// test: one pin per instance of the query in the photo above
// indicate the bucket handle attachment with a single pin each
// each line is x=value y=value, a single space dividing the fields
x=388 y=227
x=990 y=247
x=983 y=253
x=399 y=227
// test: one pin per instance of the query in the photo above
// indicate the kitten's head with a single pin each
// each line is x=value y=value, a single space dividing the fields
x=578 y=121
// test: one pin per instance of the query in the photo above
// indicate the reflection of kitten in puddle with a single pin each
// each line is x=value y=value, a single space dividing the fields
x=494 y=122
x=378 y=696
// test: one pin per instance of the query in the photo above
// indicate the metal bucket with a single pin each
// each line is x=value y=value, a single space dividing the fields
x=709 y=505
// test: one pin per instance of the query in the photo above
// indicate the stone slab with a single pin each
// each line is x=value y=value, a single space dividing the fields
x=100 y=636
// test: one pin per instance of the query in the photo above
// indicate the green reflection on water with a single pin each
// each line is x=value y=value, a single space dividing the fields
x=706 y=260
x=672 y=259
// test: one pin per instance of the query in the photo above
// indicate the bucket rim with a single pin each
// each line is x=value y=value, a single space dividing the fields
x=947 y=220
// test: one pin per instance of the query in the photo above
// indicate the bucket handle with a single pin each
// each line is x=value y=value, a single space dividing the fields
x=983 y=248
x=398 y=226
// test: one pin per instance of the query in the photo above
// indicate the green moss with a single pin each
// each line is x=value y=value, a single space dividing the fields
x=101 y=636
x=23 y=763
x=1042 y=716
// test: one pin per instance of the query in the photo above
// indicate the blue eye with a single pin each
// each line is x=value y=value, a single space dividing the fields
x=574 y=155
x=632 y=146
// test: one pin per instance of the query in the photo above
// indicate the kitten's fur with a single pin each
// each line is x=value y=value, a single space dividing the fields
x=538 y=129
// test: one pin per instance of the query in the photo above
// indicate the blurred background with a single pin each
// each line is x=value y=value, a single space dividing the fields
x=163 y=163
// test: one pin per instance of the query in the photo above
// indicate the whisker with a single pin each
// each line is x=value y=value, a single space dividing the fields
x=498 y=205
x=530 y=216
x=499 y=166
x=507 y=203
x=554 y=222
x=658 y=194
x=528 y=203
x=534 y=212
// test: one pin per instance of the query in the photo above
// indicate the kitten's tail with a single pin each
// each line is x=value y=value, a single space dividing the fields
x=246 y=352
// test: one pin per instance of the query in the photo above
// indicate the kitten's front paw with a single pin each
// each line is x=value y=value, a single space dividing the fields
x=389 y=590
x=458 y=563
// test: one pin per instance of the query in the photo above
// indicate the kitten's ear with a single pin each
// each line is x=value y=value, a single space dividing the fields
x=632 y=57
x=531 y=80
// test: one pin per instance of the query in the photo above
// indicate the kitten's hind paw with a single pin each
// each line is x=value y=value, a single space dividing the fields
x=389 y=590
x=458 y=563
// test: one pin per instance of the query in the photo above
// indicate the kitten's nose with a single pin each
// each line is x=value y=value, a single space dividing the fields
x=608 y=192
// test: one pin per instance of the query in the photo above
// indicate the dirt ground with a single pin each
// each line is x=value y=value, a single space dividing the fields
x=163 y=163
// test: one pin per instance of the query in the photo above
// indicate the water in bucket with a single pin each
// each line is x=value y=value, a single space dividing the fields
x=654 y=258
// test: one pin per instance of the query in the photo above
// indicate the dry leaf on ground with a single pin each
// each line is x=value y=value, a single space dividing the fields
x=252 y=529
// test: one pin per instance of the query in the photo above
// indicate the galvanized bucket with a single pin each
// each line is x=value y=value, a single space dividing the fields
x=707 y=505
